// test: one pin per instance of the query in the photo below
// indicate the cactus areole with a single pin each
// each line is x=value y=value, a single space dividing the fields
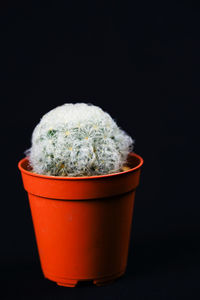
x=78 y=140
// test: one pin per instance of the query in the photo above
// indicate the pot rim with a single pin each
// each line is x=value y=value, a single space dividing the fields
x=141 y=161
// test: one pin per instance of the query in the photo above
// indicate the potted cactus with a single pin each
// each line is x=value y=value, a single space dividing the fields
x=81 y=174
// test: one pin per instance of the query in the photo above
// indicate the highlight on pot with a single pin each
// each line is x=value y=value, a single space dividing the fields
x=78 y=140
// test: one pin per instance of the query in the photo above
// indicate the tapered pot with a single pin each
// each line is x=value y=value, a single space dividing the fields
x=82 y=224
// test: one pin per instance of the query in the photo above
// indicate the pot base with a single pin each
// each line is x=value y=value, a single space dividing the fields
x=74 y=282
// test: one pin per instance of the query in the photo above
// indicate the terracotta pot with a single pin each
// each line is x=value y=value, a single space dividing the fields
x=82 y=224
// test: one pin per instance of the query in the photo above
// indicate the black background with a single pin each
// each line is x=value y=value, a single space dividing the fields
x=139 y=61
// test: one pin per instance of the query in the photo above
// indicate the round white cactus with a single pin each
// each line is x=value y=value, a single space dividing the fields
x=78 y=140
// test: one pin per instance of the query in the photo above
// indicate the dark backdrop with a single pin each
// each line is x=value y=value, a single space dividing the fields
x=139 y=61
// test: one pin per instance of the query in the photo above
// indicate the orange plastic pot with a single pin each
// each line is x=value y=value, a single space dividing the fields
x=82 y=224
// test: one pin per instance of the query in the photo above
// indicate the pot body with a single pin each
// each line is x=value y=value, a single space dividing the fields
x=82 y=225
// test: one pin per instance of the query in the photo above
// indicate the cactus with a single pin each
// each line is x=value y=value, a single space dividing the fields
x=78 y=140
